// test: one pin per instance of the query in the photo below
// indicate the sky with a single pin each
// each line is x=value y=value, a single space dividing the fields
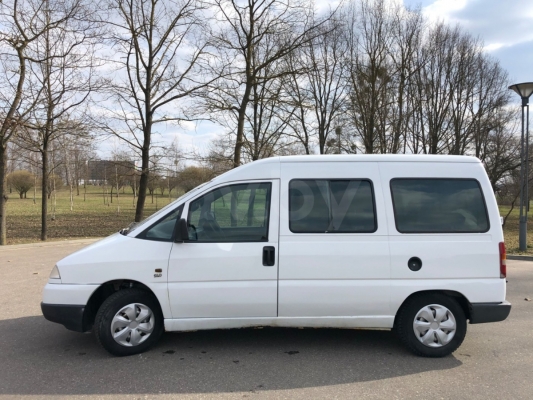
x=505 y=26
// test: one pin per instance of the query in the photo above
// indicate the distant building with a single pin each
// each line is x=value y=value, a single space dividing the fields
x=107 y=171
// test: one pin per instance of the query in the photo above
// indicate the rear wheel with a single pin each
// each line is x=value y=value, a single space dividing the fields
x=431 y=325
x=129 y=322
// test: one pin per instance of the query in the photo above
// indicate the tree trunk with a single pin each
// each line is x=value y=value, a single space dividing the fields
x=240 y=136
x=44 y=196
x=118 y=201
x=240 y=123
x=143 y=182
x=85 y=180
x=3 y=195
x=321 y=144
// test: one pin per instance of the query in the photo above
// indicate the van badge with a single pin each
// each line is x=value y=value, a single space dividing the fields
x=158 y=273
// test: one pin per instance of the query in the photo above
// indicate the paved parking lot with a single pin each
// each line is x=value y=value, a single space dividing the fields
x=42 y=359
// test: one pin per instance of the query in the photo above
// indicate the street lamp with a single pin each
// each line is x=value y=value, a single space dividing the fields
x=524 y=90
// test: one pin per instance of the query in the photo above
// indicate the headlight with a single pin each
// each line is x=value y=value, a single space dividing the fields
x=55 y=273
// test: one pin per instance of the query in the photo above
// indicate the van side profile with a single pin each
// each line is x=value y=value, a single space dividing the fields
x=412 y=243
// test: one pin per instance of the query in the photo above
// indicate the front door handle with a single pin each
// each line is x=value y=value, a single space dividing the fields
x=269 y=256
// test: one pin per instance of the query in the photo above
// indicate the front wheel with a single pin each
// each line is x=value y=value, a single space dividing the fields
x=128 y=322
x=431 y=325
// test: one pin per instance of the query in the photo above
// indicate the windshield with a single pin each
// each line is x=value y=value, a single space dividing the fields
x=134 y=225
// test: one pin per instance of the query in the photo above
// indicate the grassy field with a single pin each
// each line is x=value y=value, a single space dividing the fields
x=94 y=218
x=89 y=218
x=510 y=231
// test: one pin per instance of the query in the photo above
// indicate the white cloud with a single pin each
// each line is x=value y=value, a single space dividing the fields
x=505 y=27
x=493 y=46
x=194 y=141
x=189 y=126
x=442 y=9
x=499 y=23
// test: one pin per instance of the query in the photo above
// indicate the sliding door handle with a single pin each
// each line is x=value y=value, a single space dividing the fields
x=269 y=256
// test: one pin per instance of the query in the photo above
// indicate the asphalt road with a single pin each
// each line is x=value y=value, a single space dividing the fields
x=42 y=359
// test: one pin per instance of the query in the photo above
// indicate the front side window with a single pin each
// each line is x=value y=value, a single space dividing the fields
x=162 y=230
x=331 y=206
x=235 y=213
x=439 y=206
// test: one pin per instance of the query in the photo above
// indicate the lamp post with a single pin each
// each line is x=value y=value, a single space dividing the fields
x=524 y=90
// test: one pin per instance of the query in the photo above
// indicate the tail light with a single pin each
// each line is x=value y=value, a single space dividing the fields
x=503 y=260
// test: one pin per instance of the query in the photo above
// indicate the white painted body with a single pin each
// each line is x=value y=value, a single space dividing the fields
x=225 y=280
x=341 y=280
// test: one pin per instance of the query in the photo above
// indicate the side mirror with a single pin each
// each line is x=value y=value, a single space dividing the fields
x=181 y=232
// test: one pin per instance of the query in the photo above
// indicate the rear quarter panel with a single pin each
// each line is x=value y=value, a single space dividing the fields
x=466 y=263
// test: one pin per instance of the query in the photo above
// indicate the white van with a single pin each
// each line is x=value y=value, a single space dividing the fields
x=411 y=243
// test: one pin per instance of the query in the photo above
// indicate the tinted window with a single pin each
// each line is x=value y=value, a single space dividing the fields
x=236 y=213
x=308 y=206
x=329 y=206
x=438 y=206
x=162 y=230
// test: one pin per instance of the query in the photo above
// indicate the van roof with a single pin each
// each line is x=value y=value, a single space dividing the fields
x=378 y=157
x=269 y=168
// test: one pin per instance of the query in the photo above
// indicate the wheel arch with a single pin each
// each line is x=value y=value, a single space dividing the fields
x=103 y=292
x=459 y=297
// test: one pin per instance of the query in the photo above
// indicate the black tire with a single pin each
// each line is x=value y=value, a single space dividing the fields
x=108 y=310
x=406 y=316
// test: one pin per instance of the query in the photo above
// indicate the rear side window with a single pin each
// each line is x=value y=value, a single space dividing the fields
x=439 y=206
x=331 y=206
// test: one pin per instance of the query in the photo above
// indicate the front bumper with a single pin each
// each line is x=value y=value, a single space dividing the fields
x=66 y=305
x=489 y=312
x=68 y=315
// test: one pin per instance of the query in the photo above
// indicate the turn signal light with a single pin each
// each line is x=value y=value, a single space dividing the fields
x=54 y=274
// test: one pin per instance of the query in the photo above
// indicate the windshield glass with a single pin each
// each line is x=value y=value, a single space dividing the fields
x=168 y=207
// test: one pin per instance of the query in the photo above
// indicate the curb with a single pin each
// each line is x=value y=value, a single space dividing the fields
x=519 y=258
x=48 y=244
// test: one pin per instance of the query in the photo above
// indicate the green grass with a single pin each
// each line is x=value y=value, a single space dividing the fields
x=510 y=231
x=88 y=218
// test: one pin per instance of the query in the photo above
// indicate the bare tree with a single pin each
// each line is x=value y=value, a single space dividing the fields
x=119 y=172
x=22 y=25
x=488 y=105
x=264 y=126
x=53 y=183
x=172 y=158
x=369 y=37
x=63 y=66
x=74 y=148
x=436 y=83
x=317 y=86
x=253 y=38
x=407 y=34
x=191 y=177
x=500 y=147
x=77 y=149
x=22 y=181
x=220 y=155
x=159 y=47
